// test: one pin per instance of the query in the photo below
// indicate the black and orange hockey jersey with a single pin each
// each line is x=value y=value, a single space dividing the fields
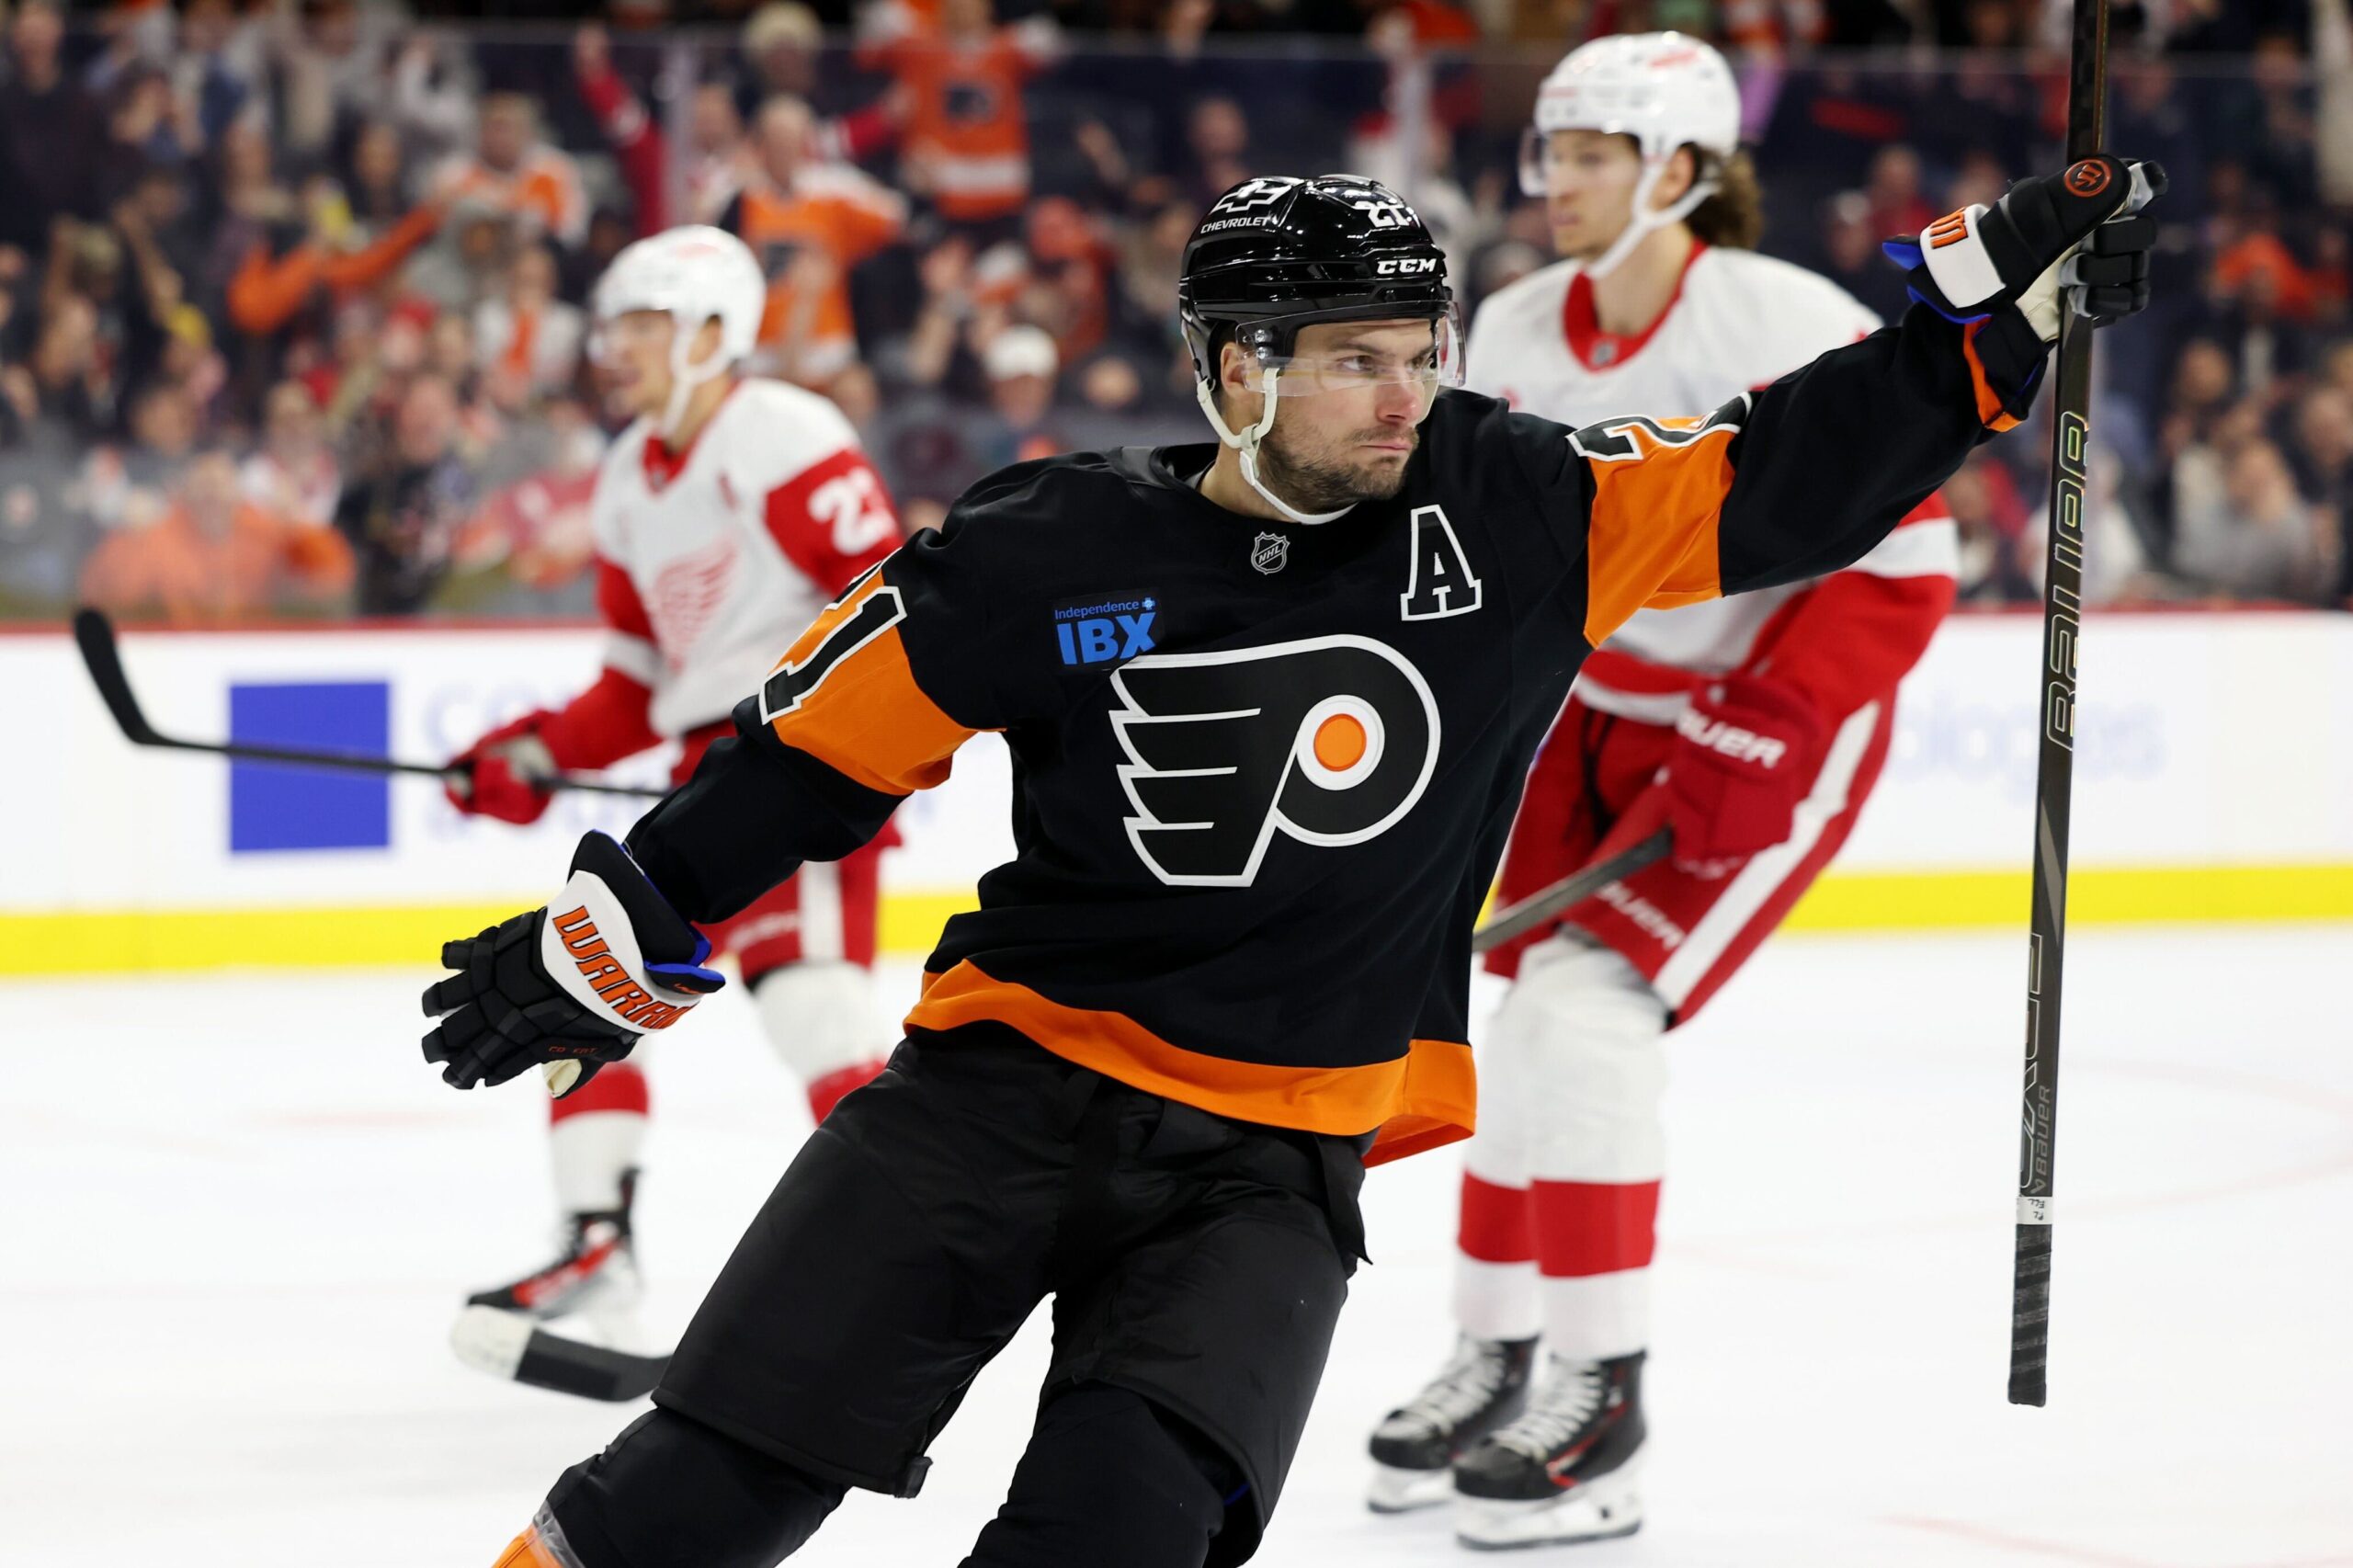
x=1263 y=771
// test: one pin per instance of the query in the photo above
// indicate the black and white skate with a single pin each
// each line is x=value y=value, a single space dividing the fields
x=594 y=1276
x=592 y=1282
x=1416 y=1445
x=1565 y=1469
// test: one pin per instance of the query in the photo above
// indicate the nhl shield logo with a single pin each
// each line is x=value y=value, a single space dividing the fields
x=1268 y=552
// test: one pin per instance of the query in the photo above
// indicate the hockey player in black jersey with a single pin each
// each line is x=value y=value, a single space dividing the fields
x=1270 y=704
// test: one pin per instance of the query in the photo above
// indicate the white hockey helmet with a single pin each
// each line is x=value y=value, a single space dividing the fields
x=693 y=274
x=1665 y=90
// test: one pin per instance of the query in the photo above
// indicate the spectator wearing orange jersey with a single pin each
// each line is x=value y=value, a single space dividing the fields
x=216 y=558
x=809 y=222
x=967 y=138
x=2259 y=259
x=515 y=173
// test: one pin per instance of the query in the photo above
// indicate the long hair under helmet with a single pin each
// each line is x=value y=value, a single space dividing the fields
x=1666 y=91
x=1276 y=253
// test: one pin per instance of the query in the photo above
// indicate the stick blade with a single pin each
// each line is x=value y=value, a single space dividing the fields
x=510 y=1345
x=93 y=636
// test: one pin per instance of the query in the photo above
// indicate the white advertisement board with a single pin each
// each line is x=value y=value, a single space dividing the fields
x=2207 y=744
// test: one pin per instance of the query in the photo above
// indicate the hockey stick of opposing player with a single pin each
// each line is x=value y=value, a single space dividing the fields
x=509 y=1345
x=1518 y=919
x=2063 y=604
x=94 y=635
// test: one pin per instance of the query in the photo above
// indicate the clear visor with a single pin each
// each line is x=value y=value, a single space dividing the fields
x=1535 y=162
x=613 y=326
x=1358 y=357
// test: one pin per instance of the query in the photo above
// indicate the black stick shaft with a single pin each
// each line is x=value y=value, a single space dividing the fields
x=1546 y=902
x=2062 y=602
x=94 y=635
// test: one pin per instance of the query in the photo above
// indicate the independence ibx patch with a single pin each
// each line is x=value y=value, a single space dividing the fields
x=1107 y=630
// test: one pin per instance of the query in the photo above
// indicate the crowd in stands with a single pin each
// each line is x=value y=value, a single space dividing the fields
x=292 y=293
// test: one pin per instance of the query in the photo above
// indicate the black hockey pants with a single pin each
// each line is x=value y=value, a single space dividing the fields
x=1107 y=1480
x=1196 y=1265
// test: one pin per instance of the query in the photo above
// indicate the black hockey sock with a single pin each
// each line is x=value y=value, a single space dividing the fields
x=1108 y=1477
x=671 y=1492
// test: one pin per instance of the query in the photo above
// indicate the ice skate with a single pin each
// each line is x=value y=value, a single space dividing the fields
x=592 y=1281
x=1563 y=1471
x=1416 y=1445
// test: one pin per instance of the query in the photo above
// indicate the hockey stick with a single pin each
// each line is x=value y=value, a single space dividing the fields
x=510 y=1345
x=2063 y=604
x=1518 y=919
x=94 y=635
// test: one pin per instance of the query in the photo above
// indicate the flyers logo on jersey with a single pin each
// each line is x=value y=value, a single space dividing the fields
x=1328 y=741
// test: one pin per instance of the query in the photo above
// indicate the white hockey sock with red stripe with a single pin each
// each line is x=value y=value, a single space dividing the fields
x=593 y=1135
x=1561 y=1185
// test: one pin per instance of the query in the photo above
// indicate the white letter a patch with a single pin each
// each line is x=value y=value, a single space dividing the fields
x=1441 y=583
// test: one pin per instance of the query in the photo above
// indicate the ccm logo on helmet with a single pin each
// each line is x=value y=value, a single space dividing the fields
x=1328 y=741
x=1400 y=265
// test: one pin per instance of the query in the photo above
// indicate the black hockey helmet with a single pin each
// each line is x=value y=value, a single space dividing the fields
x=1277 y=252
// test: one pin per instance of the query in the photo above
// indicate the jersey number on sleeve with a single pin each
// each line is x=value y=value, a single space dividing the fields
x=852 y=504
x=876 y=613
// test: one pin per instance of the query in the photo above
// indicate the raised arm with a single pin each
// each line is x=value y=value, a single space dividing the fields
x=1805 y=476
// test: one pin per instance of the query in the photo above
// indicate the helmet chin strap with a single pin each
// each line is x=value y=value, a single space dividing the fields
x=686 y=374
x=1645 y=223
x=1247 y=444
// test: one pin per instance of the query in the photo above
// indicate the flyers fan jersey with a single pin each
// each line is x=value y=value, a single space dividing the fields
x=832 y=209
x=1263 y=771
x=1738 y=321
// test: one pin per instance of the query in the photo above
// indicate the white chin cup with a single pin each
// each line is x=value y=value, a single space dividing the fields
x=687 y=374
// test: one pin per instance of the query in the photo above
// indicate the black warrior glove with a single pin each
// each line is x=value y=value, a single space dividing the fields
x=2081 y=230
x=574 y=984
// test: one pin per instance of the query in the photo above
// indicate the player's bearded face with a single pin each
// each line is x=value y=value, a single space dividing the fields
x=1589 y=178
x=1345 y=413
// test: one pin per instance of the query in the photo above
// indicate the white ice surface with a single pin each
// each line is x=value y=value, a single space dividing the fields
x=240 y=1215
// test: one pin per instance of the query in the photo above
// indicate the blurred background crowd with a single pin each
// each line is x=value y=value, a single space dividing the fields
x=292 y=293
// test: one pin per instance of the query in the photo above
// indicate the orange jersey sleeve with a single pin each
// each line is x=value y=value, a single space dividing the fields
x=1797 y=480
x=845 y=694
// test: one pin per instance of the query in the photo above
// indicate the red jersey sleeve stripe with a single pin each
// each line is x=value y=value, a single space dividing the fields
x=833 y=519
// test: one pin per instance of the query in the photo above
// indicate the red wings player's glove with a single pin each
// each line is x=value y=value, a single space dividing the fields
x=497 y=776
x=1743 y=754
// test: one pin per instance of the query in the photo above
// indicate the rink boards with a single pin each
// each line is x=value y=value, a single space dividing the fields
x=2211 y=782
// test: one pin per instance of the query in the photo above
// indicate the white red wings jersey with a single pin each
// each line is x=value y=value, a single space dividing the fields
x=711 y=561
x=1738 y=319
